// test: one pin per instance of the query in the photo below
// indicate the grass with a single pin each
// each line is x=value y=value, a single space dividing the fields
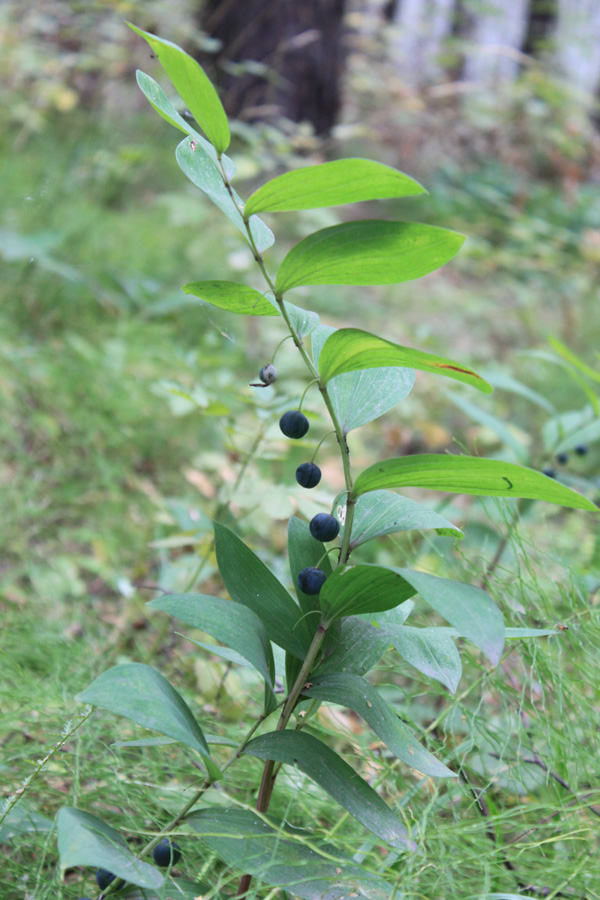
x=109 y=476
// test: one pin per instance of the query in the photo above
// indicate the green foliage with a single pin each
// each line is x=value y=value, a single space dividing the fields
x=85 y=840
x=332 y=660
x=370 y=251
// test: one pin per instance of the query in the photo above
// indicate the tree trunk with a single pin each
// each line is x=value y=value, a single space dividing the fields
x=420 y=29
x=496 y=39
x=291 y=56
x=577 y=39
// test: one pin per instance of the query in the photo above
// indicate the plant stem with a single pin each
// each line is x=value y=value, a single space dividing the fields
x=341 y=437
x=268 y=776
x=267 y=781
x=69 y=731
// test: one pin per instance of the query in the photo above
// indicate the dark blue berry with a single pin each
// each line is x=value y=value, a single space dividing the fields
x=562 y=458
x=167 y=853
x=104 y=878
x=311 y=580
x=294 y=424
x=549 y=471
x=324 y=527
x=268 y=374
x=308 y=475
x=581 y=449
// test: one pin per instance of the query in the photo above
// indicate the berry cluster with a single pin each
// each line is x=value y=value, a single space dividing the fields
x=323 y=527
x=563 y=458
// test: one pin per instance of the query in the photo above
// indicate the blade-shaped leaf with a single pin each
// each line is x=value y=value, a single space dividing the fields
x=505 y=382
x=383 y=512
x=252 y=584
x=235 y=298
x=430 y=650
x=195 y=163
x=469 y=609
x=161 y=104
x=510 y=633
x=304 y=551
x=501 y=429
x=360 y=397
x=572 y=358
x=142 y=694
x=280 y=856
x=23 y=819
x=359 y=646
x=350 y=349
x=304 y=320
x=336 y=777
x=331 y=184
x=467 y=475
x=194 y=88
x=234 y=625
x=369 y=251
x=529 y=632
x=84 y=840
x=353 y=589
x=355 y=693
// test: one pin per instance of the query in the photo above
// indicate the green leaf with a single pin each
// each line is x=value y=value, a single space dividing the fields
x=383 y=512
x=304 y=320
x=506 y=382
x=280 y=856
x=234 y=625
x=359 y=646
x=84 y=840
x=360 y=397
x=469 y=609
x=331 y=184
x=252 y=584
x=142 y=694
x=370 y=251
x=467 y=475
x=336 y=777
x=350 y=349
x=194 y=88
x=235 y=298
x=161 y=104
x=514 y=633
x=355 y=693
x=303 y=551
x=197 y=165
x=500 y=428
x=22 y=819
x=529 y=632
x=364 y=588
x=572 y=358
x=430 y=650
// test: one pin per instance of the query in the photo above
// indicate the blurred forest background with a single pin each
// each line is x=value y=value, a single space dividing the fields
x=127 y=420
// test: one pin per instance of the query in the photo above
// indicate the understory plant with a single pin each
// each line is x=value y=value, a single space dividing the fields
x=316 y=647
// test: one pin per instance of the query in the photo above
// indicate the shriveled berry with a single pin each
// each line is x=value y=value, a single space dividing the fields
x=562 y=458
x=294 y=424
x=104 y=878
x=311 y=580
x=268 y=374
x=166 y=853
x=549 y=471
x=324 y=527
x=582 y=449
x=308 y=475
